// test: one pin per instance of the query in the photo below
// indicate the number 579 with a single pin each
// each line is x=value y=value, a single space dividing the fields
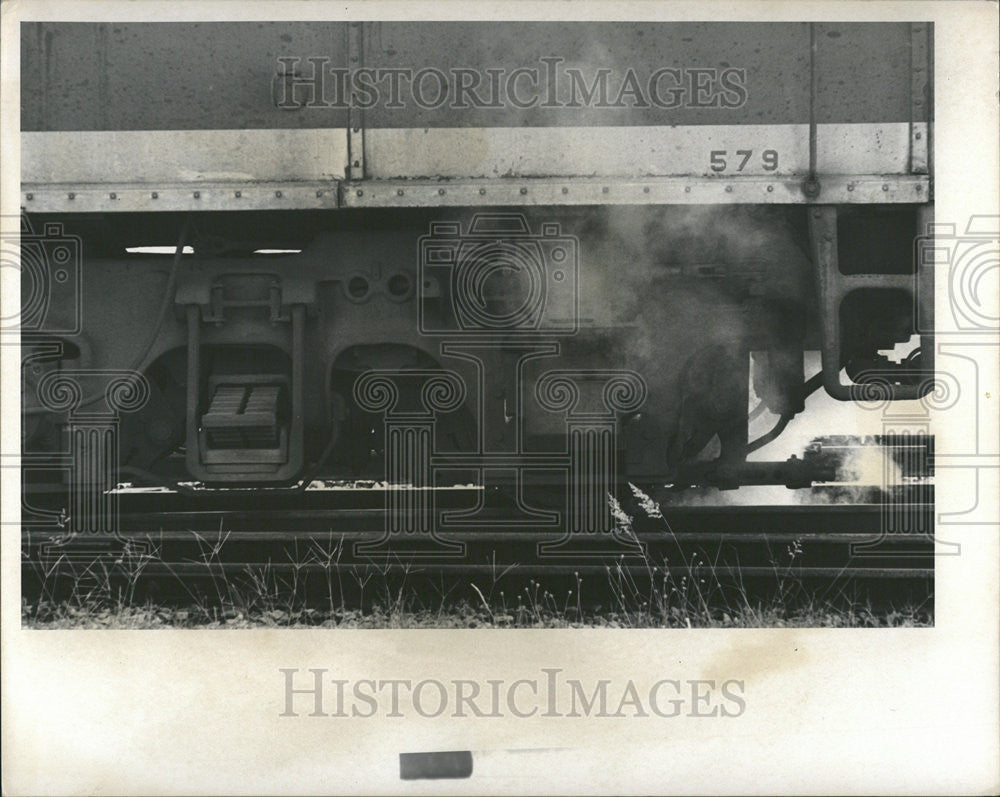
x=720 y=162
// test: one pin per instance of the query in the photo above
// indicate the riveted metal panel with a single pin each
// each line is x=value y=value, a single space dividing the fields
x=653 y=190
x=172 y=75
x=131 y=197
x=168 y=75
x=196 y=82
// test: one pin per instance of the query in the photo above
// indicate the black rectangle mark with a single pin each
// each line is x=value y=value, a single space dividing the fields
x=422 y=766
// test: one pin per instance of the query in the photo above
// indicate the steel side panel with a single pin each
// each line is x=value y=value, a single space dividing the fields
x=177 y=116
x=168 y=75
x=218 y=75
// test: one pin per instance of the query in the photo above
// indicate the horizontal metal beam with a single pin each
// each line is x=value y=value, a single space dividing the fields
x=301 y=195
x=149 y=197
x=847 y=189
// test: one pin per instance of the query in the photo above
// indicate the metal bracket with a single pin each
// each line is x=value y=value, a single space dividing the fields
x=811 y=186
x=261 y=471
x=834 y=287
x=269 y=298
x=356 y=119
x=920 y=108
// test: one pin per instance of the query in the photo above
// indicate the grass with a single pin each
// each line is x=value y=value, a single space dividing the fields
x=315 y=593
x=463 y=614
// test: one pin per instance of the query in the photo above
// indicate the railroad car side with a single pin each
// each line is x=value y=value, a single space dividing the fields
x=672 y=200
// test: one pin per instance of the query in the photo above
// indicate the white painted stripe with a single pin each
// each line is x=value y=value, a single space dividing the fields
x=296 y=169
x=183 y=156
x=633 y=151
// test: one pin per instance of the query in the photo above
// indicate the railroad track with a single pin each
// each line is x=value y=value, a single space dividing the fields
x=192 y=535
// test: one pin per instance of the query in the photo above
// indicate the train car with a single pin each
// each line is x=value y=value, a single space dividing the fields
x=521 y=256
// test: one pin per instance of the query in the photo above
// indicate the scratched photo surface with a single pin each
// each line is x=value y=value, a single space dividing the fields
x=489 y=323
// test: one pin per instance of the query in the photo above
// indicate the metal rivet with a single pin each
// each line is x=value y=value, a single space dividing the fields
x=482 y=192
x=850 y=187
x=917 y=136
x=770 y=188
x=524 y=191
x=360 y=192
x=155 y=195
x=72 y=195
x=319 y=193
x=885 y=187
x=197 y=194
x=30 y=196
x=441 y=191
x=919 y=188
x=357 y=129
x=278 y=194
x=729 y=189
x=687 y=189
x=565 y=190
x=239 y=194
x=399 y=192
x=113 y=195
x=357 y=164
x=645 y=189
x=605 y=190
